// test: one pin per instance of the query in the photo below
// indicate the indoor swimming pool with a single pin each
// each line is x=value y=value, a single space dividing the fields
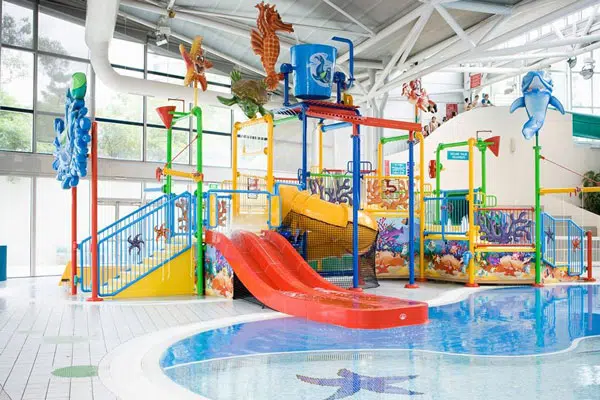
x=496 y=344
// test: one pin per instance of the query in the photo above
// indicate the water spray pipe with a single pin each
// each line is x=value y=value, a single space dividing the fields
x=350 y=58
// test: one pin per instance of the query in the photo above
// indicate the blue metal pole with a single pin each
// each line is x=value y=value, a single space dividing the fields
x=304 y=149
x=411 y=214
x=355 y=203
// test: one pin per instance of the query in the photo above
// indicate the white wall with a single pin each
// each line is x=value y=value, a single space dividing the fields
x=511 y=176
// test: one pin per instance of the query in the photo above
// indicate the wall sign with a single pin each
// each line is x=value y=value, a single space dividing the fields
x=397 y=168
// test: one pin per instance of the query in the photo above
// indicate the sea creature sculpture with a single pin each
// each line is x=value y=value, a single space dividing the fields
x=249 y=95
x=195 y=63
x=183 y=220
x=351 y=383
x=71 y=146
x=161 y=232
x=417 y=96
x=136 y=243
x=549 y=235
x=537 y=95
x=265 y=41
x=222 y=213
x=576 y=243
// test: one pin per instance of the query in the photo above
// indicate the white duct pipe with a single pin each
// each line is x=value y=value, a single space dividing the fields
x=98 y=36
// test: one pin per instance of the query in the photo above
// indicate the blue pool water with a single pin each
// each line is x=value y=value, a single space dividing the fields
x=307 y=360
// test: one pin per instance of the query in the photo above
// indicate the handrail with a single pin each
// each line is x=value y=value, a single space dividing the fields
x=216 y=192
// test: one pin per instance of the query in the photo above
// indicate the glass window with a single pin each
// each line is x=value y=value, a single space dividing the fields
x=15 y=131
x=167 y=65
x=153 y=102
x=120 y=141
x=15 y=214
x=44 y=133
x=52 y=227
x=156 y=149
x=560 y=86
x=17 y=24
x=117 y=105
x=216 y=119
x=216 y=150
x=57 y=35
x=546 y=29
x=126 y=53
x=119 y=189
x=582 y=90
x=596 y=79
x=54 y=78
x=16 y=84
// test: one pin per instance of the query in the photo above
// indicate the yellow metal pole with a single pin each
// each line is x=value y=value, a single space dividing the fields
x=270 y=178
x=234 y=167
x=320 y=133
x=421 y=140
x=592 y=189
x=471 y=199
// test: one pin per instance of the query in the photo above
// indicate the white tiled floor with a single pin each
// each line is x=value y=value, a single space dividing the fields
x=42 y=329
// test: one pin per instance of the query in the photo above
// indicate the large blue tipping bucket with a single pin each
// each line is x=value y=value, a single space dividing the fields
x=314 y=65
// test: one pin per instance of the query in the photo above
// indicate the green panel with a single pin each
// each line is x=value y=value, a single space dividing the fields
x=586 y=126
x=76 y=371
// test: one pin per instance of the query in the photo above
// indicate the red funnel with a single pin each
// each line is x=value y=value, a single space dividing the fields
x=165 y=115
x=495 y=144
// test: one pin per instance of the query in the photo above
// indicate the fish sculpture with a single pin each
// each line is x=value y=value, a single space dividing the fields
x=195 y=63
x=537 y=95
x=265 y=42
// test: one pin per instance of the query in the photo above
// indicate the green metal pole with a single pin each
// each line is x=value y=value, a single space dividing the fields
x=197 y=112
x=538 y=217
x=168 y=186
x=393 y=139
x=483 y=170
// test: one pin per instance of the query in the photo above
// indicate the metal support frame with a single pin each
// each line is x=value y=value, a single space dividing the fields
x=349 y=16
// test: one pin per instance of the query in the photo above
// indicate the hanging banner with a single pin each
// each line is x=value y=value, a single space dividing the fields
x=450 y=109
x=475 y=80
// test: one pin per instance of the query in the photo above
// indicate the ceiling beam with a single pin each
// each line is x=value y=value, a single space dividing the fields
x=384 y=33
x=369 y=64
x=568 y=41
x=459 y=54
x=480 y=7
x=590 y=22
x=517 y=57
x=455 y=26
x=349 y=16
x=186 y=39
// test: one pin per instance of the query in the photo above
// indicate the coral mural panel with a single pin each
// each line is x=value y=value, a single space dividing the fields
x=218 y=274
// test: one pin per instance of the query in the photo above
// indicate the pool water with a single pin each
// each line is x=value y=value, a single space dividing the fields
x=455 y=356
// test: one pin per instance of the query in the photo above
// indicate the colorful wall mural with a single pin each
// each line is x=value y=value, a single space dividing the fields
x=218 y=275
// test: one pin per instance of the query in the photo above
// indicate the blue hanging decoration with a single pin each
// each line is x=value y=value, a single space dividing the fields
x=537 y=96
x=72 y=144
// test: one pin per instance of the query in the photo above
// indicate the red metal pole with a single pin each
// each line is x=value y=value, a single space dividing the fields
x=73 y=239
x=589 y=277
x=94 y=201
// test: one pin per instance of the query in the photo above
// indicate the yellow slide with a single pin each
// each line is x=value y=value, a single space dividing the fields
x=330 y=225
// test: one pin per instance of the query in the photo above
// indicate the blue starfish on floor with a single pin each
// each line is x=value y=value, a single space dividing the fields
x=351 y=383
x=135 y=243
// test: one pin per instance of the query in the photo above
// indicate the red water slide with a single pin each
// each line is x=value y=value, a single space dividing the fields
x=279 y=277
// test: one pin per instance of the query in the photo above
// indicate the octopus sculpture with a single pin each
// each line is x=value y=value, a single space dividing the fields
x=265 y=42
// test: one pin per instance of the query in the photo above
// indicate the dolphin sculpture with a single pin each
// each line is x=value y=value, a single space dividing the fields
x=537 y=95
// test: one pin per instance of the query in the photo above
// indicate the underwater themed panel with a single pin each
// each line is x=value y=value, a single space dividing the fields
x=218 y=274
x=391 y=257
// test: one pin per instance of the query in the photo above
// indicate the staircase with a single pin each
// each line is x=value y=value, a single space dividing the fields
x=138 y=244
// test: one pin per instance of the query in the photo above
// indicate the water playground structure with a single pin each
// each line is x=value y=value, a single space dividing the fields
x=307 y=246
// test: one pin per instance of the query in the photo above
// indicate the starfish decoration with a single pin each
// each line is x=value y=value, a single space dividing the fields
x=161 y=231
x=136 y=243
x=549 y=235
x=195 y=63
x=350 y=383
x=576 y=242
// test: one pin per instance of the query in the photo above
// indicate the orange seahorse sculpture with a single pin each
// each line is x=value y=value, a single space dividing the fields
x=265 y=42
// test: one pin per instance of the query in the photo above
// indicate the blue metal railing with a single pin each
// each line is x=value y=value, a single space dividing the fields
x=573 y=256
x=452 y=212
x=226 y=193
x=85 y=246
x=143 y=245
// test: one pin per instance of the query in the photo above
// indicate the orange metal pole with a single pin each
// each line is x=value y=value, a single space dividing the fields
x=589 y=277
x=73 y=239
x=94 y=201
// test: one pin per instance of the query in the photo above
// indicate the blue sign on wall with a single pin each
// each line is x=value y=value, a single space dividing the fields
x=458 y=155
x=397 y=168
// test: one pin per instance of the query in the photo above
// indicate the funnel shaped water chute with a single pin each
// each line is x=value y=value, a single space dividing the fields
x=494 y=144
x=165 y=114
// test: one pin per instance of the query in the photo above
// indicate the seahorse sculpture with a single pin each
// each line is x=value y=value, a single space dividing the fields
x=265 y=42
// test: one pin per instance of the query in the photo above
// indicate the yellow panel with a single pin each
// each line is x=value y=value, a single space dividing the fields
x=175 y=278
x=66 y=276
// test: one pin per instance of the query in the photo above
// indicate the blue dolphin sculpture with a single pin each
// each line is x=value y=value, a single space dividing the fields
x=537 y=94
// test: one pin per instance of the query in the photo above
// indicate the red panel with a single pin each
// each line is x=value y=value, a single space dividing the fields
x=278 y=276
x=339 y=115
